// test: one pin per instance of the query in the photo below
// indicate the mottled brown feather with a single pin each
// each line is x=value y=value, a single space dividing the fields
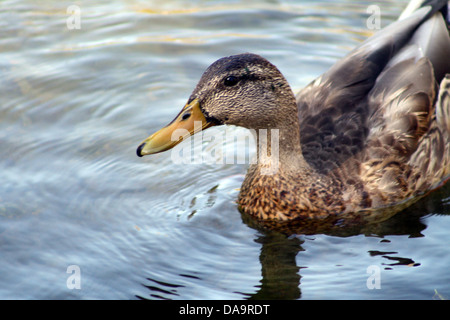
x=369 y=125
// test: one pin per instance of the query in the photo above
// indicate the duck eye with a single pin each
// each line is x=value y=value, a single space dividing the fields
x=230 y=81
x=186 y=116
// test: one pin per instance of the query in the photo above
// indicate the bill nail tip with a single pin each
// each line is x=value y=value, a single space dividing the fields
x=139 y=150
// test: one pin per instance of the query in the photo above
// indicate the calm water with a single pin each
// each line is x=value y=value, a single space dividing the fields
x=75 y=104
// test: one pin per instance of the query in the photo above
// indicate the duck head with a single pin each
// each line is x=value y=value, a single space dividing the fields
x=244 y=90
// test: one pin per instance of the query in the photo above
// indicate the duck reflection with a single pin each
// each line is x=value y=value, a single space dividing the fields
x=281 y=275
x=281 y=249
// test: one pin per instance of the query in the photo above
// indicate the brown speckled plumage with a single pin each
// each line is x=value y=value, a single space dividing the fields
x=370 y=135
x=372 y=132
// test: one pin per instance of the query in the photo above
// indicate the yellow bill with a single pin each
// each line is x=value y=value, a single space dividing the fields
x=189 y=121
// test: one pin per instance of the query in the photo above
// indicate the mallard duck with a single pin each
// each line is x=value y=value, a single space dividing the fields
x=371 y=134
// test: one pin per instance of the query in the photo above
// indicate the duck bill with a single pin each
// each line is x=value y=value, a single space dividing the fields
x=188 y=122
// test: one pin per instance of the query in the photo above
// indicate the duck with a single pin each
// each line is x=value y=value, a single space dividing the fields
x=370 y=135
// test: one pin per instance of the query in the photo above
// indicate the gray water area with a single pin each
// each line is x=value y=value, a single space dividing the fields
x=82 y=217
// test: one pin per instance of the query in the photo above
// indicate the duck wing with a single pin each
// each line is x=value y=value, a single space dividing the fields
x=378 y=102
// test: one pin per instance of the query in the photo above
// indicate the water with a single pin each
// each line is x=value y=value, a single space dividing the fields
x=75 y=104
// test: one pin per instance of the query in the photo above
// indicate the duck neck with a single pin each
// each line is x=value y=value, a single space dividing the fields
x=279 y=148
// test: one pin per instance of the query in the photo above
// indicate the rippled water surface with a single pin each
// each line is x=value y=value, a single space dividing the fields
x=76 y=102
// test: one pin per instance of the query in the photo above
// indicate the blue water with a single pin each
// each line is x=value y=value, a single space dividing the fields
x=82 y=217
